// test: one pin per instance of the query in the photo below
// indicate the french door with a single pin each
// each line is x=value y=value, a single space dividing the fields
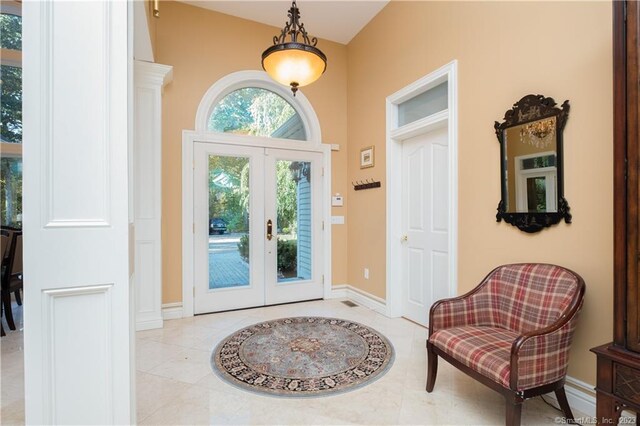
x=258 y=226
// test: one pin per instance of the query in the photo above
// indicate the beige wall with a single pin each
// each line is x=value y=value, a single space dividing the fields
x=498 y=62
x=504 y=51
x=151 y=23
x=204 y=46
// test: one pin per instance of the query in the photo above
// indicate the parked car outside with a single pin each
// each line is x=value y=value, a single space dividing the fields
x=217 y=225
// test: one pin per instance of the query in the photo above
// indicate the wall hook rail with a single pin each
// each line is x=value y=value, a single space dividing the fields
x=367 y=184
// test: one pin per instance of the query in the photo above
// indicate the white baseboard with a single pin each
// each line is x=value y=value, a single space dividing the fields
x=148 y=324
x=339 y=291
x=172 y=311
x=362 y=298
x=580 y=395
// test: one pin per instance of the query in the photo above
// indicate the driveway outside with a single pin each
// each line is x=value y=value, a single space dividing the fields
x=226 y=267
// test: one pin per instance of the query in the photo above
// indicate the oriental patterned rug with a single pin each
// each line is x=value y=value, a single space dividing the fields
x=303 y=356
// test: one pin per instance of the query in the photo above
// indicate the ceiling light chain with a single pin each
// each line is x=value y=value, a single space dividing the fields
x=295 y=62
x=293 y=28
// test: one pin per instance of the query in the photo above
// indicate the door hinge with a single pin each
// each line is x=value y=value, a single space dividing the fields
x=323 y=225
x=322 y=279
x=322 y=172
x=193 y=228
x=193 y=164
x=194 y=292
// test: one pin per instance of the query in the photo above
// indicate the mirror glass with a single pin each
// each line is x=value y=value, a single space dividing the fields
x=531 y=167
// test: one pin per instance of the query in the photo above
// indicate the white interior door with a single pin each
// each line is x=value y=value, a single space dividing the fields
x=257 y=225
x=425 y=217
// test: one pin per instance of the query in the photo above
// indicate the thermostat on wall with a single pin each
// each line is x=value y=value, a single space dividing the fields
x=337 y=200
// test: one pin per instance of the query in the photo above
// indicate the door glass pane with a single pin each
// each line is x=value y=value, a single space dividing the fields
x=293 y=201
x=228 y=221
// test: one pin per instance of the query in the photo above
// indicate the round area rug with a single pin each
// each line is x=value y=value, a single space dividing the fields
x=303 y=356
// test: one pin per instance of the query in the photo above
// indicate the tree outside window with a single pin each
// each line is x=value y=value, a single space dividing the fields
x=11 y=120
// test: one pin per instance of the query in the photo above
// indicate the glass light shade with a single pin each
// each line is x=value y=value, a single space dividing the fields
x=291 y=65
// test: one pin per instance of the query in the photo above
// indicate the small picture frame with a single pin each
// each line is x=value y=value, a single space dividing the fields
x=367 y=157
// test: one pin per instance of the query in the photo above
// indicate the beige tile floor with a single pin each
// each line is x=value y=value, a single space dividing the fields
x=175 y=384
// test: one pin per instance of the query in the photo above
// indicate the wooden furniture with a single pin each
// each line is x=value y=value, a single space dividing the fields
x=12 y=281
x=512 y=333
x=8 y=231
x=618 y=375
x=4 y=250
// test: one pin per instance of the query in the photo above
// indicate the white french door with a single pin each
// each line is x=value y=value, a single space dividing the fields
x=425 y=217
x=258 y=226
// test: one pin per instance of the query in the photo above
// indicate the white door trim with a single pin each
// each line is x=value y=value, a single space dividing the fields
x=395 y=136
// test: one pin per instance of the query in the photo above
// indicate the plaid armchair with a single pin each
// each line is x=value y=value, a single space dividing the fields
x=512 y=332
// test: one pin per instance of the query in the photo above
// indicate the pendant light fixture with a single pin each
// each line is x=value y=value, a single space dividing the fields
x=296 y=62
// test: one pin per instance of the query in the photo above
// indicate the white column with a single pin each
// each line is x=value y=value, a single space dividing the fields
x=150 y=78
x=76 y=57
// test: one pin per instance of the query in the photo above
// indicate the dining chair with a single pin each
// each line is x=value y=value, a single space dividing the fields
x=12 y=280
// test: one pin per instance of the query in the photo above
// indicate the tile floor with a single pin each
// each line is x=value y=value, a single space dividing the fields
x=175 y=384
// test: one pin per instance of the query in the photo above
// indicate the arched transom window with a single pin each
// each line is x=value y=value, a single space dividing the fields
x=257 y=112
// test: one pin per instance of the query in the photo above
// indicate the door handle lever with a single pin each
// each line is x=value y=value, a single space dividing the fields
x=269 y=230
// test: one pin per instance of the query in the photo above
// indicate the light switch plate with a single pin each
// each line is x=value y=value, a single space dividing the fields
x=337 y=220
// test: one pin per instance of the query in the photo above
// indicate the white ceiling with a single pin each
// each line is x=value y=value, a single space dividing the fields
x=332 y=20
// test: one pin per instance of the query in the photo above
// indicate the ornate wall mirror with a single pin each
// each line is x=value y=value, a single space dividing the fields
x=531 y=167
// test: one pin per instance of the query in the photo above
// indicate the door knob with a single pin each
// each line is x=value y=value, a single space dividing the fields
x=404 y=238
x=269 y=230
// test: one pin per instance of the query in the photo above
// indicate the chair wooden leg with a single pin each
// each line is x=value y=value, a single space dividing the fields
x=18 y=298
x=514 y=412
x=2 y=333
x=8 y=312
x=432 y=367
x=561 y=396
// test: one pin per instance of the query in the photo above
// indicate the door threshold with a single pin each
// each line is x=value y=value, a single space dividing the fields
x=261 y=306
